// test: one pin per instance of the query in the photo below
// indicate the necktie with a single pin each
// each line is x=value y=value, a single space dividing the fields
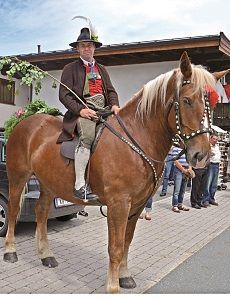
x=91 y=65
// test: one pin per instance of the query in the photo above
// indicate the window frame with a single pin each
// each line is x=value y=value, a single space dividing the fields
x=8 y=95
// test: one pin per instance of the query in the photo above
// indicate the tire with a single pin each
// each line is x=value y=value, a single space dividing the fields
x=66 y=218
x=3 y=217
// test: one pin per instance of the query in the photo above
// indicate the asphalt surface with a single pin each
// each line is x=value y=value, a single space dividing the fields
x=207 y=271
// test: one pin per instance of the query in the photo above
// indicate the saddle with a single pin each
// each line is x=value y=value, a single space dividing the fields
x=67 y=148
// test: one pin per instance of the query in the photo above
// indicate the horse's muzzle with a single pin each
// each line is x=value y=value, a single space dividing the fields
x=198 y=159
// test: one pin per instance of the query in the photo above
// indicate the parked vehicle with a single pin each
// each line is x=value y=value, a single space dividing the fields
x=60 y=208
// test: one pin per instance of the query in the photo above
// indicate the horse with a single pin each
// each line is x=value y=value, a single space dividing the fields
x=123 y=175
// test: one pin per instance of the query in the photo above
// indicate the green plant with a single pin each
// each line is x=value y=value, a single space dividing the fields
x=28 y=73
x=35 y=107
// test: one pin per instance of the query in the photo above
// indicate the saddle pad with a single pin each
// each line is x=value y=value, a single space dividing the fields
x=68 y=148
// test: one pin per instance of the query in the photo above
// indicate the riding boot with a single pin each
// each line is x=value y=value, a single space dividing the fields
x=82 y=191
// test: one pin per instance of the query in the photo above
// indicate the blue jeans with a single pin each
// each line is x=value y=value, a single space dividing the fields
x=180 y=183
x=211 y=186
x=148 y=206
x=168 y=167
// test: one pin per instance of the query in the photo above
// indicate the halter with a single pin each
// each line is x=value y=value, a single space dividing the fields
x=185 y=137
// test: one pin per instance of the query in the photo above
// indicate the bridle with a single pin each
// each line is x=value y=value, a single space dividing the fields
x=182 y=137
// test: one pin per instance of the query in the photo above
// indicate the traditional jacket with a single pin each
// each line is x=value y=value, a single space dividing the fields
x=73 y=76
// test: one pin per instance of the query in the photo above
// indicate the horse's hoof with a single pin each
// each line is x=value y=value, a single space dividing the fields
x=10 y=257
x=127 y=283
x=49 y=262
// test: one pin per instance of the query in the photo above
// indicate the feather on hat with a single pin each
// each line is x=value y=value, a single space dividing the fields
x=87 y=34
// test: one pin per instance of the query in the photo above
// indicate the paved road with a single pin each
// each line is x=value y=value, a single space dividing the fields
x=80 y=246
x=207 y=271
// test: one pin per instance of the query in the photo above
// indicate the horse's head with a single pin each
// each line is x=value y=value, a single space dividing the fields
x=182 y=100
x=193 y=101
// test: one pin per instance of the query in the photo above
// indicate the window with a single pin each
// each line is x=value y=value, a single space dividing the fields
x=6 y=94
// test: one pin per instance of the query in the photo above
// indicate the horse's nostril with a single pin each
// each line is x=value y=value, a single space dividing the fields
x=199 y=156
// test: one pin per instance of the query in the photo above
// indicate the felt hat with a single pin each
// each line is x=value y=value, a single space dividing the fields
x=87 y=34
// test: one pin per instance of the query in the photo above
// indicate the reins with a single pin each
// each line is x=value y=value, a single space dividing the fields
x=132 y=143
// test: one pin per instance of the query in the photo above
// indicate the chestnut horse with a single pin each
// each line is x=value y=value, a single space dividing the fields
x=171 y=104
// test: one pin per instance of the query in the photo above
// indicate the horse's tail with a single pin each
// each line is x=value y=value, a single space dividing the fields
x=22 y=199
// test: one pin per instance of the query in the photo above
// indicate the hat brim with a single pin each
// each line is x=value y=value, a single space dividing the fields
x=74 y=44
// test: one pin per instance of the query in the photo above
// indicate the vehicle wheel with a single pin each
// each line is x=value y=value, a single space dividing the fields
x=3 y=217
x=66 y=218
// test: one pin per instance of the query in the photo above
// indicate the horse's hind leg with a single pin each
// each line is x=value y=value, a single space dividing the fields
x=125 y=279
x=42 y=213
x=16 y=185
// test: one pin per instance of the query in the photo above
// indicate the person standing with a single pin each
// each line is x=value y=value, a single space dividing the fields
x=169 y=164
x=91 y=83
x=182 y=171
x=148 y=209
x=213 y=172
x=198 y=186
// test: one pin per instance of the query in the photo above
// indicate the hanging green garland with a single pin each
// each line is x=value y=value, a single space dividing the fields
x=28 y=73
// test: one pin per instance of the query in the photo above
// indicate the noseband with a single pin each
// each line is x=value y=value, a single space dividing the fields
x=207 y=113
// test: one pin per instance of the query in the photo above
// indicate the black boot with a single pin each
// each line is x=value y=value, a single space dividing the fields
x=85 y=194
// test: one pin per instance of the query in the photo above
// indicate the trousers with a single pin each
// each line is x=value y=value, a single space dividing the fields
x=86 y=130
x=199 y=183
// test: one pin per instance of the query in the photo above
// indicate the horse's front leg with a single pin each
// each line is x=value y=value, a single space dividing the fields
x=117 y=220
x=125 y=279
x=42 y=213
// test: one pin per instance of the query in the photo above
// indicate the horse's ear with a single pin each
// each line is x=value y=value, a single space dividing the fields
x=220 y=74
x=185 y=65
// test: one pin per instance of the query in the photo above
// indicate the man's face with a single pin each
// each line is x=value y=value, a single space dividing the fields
x=86 y=50
x=213 y=139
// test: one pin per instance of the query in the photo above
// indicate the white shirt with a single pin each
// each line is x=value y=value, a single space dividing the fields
x=222 y=94
x=215 y=154
x=87 y=62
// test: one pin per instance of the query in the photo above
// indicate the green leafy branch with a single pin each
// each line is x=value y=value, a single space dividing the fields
x=27 y=72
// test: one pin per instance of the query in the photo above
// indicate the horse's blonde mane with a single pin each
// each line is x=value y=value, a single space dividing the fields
x=155 y=90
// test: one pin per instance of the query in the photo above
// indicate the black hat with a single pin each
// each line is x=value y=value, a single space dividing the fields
x=86 y=36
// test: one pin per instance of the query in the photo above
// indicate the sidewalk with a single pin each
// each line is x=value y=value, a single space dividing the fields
x=80 y=246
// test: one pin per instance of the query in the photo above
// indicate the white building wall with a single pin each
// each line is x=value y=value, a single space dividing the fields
x=49 y=94
x=127 y=80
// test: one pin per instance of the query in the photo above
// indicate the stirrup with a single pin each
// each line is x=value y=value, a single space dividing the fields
x=85 y=194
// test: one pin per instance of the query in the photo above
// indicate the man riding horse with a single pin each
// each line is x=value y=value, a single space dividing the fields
x=91 y=82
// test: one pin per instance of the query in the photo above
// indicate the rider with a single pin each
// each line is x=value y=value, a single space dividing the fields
x=91 y=82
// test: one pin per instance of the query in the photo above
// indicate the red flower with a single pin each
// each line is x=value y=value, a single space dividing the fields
x=212 y=95
x=20 y=113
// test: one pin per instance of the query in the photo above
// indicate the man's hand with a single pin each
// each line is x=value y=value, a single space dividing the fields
x=88 y=113
x=115 y=109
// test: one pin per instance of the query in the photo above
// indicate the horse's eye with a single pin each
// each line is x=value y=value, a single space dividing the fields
x=187 y=101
